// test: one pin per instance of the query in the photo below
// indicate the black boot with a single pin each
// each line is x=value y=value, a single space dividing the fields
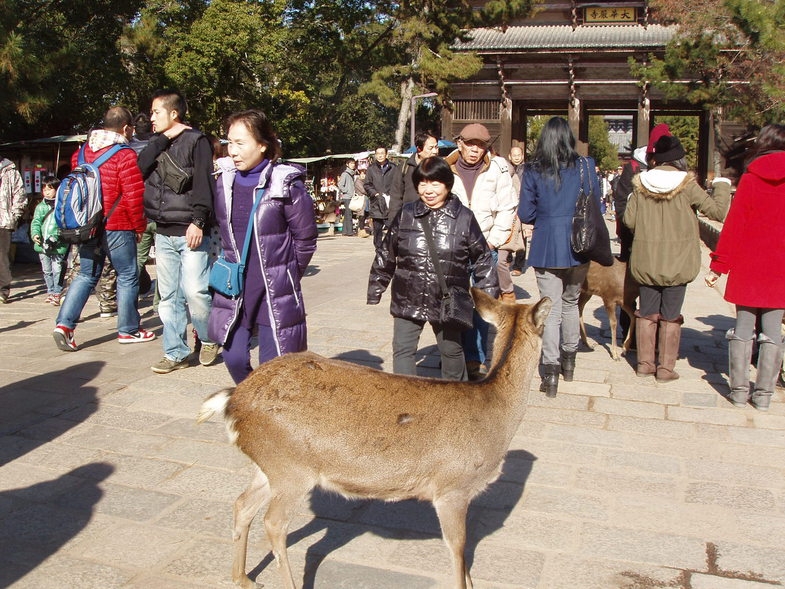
x=568 y=365
x=550 y=379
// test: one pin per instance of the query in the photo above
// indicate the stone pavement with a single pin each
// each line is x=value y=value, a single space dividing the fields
x=107 y=481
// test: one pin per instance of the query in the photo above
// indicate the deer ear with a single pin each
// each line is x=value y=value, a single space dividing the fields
x=485 y=304
x=540 y=312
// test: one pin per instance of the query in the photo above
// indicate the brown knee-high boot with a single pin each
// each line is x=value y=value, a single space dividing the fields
x=670 y=336
x=646 y=339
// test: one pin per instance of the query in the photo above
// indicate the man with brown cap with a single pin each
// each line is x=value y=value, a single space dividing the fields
x=484 y=184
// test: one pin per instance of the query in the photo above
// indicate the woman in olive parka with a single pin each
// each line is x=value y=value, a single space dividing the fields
x=666 y=249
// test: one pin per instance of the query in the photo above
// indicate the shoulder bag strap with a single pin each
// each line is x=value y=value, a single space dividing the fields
x=580 y=171
x=249 y=231
x=101 y=161
x=426 y=228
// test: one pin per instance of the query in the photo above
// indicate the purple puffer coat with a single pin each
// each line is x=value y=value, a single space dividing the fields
x=285 y=233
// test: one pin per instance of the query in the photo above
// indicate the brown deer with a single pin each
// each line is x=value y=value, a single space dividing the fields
x=614 y=286
x=306 y=423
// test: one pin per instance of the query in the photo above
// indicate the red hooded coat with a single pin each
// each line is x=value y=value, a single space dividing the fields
x=751 y=248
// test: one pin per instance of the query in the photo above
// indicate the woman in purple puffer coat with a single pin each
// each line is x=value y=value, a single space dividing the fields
x=282 y=244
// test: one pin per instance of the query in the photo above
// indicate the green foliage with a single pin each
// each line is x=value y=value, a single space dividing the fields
x=605 y=154
x=59 y=63
x=687 y=129
x=733 y=51
x=331 y=74
x=533 y=131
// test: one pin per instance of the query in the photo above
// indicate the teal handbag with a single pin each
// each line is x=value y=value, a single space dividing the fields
x=226 y=277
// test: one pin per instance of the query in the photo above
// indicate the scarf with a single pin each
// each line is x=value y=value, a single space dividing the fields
x=468 y=175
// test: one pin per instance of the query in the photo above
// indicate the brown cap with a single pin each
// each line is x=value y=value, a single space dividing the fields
x=475 y=132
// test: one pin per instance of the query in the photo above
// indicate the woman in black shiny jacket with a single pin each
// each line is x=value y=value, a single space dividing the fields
x=405 y=259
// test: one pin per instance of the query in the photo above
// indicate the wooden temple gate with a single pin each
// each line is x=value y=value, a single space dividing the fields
x=571 y=58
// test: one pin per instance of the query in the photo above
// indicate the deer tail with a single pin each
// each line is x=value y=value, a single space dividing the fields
x=215 y=403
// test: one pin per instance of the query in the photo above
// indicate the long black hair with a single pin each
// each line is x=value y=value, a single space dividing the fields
x=555 y=149
x=770 y=139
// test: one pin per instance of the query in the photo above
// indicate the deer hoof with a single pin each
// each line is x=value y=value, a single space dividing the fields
x=245 y=582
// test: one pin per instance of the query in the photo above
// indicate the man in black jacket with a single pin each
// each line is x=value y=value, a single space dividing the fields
x=426 y=145
x=182 y=212
x=382 y=184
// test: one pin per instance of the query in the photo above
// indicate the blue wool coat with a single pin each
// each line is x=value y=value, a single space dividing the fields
x=285 y=233
x=550 y=210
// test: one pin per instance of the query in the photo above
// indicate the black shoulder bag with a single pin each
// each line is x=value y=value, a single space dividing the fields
x=457 y=308
x=589 y=237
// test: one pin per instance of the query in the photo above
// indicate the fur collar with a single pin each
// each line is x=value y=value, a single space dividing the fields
x=662 y=183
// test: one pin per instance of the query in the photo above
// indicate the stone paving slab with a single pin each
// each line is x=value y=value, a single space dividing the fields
x=619 y=482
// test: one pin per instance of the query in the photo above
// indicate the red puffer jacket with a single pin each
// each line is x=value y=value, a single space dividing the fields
x=120 y=177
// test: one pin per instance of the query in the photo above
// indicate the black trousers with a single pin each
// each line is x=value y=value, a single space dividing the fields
x=665 y=301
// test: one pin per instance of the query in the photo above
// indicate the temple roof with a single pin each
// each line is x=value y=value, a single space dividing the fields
x=565 y=38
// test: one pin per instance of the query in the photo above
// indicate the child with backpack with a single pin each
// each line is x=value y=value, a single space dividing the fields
x=46 y=240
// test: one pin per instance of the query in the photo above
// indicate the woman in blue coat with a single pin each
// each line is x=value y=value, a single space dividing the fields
x=551 y=182
x=282 y=244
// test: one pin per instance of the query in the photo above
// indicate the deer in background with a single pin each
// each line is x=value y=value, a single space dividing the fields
x=306 y=422
x=615 y=287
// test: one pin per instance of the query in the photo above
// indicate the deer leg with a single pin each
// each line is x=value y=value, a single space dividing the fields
x=286 y=497
x=631 y=331
x=610 y=309
x=451 y=511
x=246 y=507
x=583 y=298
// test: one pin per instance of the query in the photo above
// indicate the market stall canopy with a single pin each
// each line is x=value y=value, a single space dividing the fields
x=334 y=156
x=47 y=148
x=55 y=139
x=445 y=146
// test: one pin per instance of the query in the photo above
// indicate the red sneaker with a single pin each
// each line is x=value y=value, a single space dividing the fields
x=64 y=338
x=134 y=338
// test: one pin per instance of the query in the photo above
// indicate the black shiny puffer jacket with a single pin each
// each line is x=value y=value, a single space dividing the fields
x=404 y=259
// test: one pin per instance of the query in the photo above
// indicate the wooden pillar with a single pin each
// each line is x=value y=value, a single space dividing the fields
x=447 y=131
x=505 y=130
x=574 y=114
x=644 y=119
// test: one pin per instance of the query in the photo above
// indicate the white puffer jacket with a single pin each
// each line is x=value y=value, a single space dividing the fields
x=494 y=200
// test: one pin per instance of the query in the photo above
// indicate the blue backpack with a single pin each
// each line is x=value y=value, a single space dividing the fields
x=79 y=203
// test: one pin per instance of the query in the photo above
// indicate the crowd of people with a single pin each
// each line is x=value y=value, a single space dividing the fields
x=439 y=225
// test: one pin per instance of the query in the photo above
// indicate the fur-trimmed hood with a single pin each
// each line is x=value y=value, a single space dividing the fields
x=662 y=183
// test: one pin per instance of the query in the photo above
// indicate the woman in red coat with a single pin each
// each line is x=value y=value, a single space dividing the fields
x=751 y=251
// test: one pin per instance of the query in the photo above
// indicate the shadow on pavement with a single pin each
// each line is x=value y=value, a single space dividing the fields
x=33 y=527
x=404 y=520
x=361 y=357
x=34 y=408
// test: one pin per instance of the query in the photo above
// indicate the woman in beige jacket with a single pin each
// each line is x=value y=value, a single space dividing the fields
x=666 y=249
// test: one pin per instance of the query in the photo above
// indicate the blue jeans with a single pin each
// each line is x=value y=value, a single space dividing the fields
x=52 y=267
x=182 y=279
x=475 y=340
x=120 y=246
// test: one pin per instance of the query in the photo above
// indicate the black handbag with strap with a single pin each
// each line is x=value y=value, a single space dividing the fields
x=589 y=236
x=457 y=308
